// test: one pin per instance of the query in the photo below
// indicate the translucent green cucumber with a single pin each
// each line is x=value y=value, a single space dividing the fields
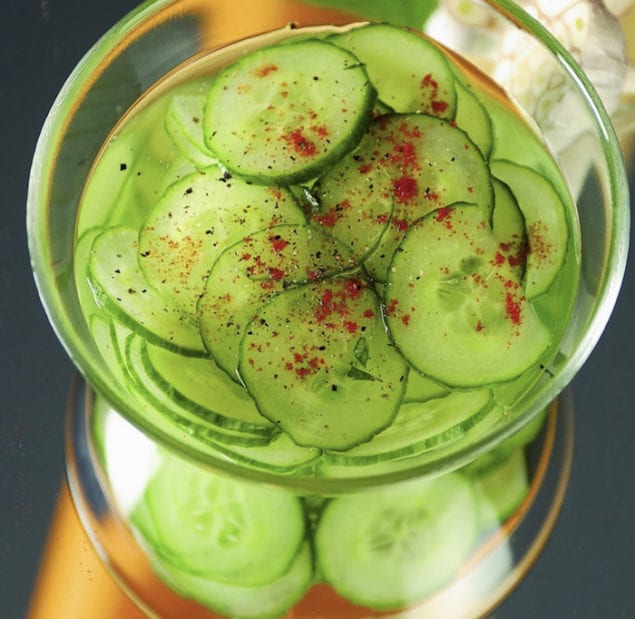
x=455 y=308
x=388 y=549
x=248 y=273
x=508 y=226
x=406 y=166
x=199 y=385
x=268 y=601
x=184 y=124
x=283 y=113
x=420 y=426
x=421 y=388
x=319 y=364
x=220 y=528
x=472 y=117
x=545 y=214
x=122 y=290
x=195 y=220
x=206 y=425
x=410 y=72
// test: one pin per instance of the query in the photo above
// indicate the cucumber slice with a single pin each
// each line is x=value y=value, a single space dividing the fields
x=268 y=601
x=319 y=363
x=406 y=166
x=121 y=289
x=409 y=71
x=184 y=124
x=208 y=425
x=283 y=113
x=421 y=388
x=195 y=220
x=421 y=426
x=200 y=385
x=385 y=550
x=455 y=308
x=281 y=455
x=508 y=226
x=81 y=255
x=472 y=117
x=248 y=273
x=222 y=529
x=546 y=225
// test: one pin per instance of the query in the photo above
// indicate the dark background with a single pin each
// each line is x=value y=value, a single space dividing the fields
x=588 y=567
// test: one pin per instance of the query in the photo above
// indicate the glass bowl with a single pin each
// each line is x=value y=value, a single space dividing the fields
x=146 y=50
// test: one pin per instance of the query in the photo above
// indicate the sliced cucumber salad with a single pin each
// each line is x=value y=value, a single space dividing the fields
x=341 y=263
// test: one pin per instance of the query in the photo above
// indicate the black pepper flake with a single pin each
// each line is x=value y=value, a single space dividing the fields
x=123 y=167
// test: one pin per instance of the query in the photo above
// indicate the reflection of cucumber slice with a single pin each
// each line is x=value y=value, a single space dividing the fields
x=283 y=113
x=501 y=488
x=220 y=528
x=409 y=71
x=456 y=311
x=546 y=225
x=122 y=290
x=391 y=548
x=319 y=363
x=268 y=601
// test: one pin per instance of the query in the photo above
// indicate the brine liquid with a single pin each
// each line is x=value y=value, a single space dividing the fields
x=141 y=159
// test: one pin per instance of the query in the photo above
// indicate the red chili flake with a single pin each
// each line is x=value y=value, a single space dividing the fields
x=405 y=319
x=320 y=130
x=245 y=256
x=350 y=326
x=328 y=219
x=365 y=169
x=499 y=258
x=404 y=155
x=382 y=219
x=429 y=82
x=512 y=309
x=353 y=288
x=265 y=70
x=300 y=144
x=369 y=313
x=479 y=326
x=401 y=224
x=391 y=307
x=438 y=107
x=405 y=189
x=443 y=213
x=470 y=189
x=278 y=243
x=276 y=274
x=410 y=132
x=431 y=195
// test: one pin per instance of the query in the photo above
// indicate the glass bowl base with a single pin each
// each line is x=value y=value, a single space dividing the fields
x=109 y=463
